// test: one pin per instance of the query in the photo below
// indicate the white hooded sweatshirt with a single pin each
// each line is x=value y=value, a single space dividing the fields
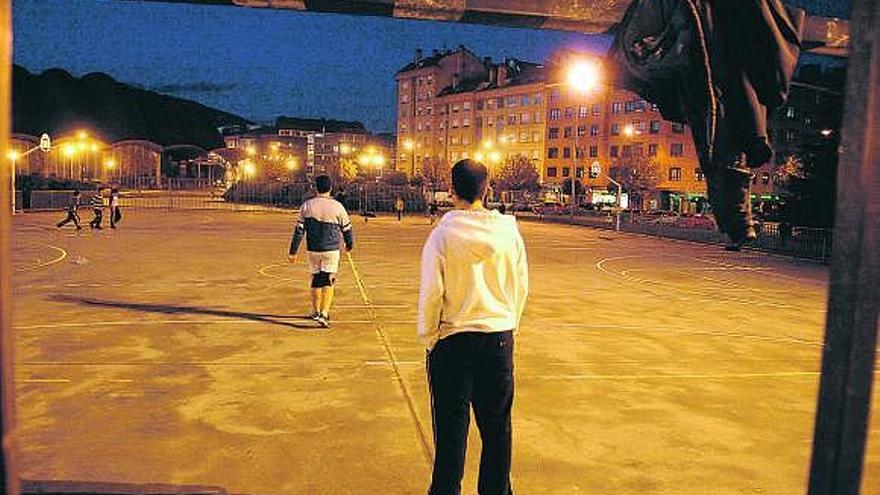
x=475 y=277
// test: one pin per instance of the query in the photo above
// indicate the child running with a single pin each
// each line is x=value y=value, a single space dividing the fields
x=324 y=222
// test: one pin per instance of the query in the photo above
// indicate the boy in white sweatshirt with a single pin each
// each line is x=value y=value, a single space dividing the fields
x=473 y=291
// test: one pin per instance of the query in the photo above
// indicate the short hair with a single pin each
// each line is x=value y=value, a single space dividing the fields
x=469 y=180
x=323 y=183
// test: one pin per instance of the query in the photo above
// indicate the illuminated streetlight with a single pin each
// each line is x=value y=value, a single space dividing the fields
x=94 y=147
x=13 y=155
x=479 y=156
x=826 y=132
x=81 y=134
x=291 y=163
x=68 y=150
x=628 y=130
x=494 y=157
x=250 y=150
x=584 y=76
x=487 y=144
x=110 y=164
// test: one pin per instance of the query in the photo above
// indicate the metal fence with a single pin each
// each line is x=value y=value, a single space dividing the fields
x=800 y=242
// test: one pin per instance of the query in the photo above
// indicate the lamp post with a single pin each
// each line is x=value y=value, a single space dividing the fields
x=583 y=76
x=13 y=157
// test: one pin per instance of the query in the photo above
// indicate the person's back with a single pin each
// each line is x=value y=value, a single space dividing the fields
x=474 y=284
x=323 y=219
x=483 y=252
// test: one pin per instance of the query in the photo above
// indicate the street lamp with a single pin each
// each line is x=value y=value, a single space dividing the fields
x=583 y=76
x=629 y=130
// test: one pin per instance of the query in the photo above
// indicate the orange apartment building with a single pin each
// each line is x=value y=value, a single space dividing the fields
x=517 y=107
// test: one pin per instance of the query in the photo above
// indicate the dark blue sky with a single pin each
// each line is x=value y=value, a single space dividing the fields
x=257 y=63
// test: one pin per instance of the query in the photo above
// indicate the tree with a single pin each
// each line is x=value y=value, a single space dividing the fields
x=517 y=173
x=395 y=178
x=639 y=178
x=436 y=174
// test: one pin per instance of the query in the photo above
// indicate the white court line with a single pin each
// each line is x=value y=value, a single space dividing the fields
x=232 y=320
x=683 y=376
x=389 y=363
x=48 y=380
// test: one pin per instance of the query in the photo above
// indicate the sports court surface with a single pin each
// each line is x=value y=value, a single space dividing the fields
x=173 y=351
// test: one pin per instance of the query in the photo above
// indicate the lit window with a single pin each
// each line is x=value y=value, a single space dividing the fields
x=676 y=149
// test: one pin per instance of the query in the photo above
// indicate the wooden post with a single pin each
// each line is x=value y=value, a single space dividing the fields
x=851 y=322
x=7 y=413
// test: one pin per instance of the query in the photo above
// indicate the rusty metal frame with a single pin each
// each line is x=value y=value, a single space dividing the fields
x=851 y=329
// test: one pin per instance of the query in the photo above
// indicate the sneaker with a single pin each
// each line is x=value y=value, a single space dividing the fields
x=323 y=321
x=314 y=316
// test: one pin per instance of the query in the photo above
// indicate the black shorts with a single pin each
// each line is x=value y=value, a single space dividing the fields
x=323 y=279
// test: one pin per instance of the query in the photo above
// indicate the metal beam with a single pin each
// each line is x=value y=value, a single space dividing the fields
x=822 y=35
x=851 y=329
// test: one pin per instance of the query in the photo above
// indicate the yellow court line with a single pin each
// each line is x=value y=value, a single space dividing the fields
x=59 y=259
x=395 y=365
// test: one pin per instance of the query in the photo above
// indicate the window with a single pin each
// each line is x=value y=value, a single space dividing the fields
x=404 y=84
x=675 y=174
x=655 y=127
x=466 y=139
x=524 y=100
x=630 y=106
x=429 y=110
x=523 y=137
x=455 y=107
x=551 y=171
x=615 y=129
x=641 y=105
x=597 y=109
x=554 y=114
x=554 y=96
x=652 y=150
x=578 y=152
x=698 y=174
x=677 y=127
x=480 y=104
x=569 y=112
x=676 y=149
x=490 y=104
x=537 y=99
x=500 y=101
x=594 y=151
x=553 y=133
x=419 y=126
x=566 y=171
x=552 y=152
x=536 y=137
x=525 y=118
x=511 y=101
x=765 y=178
x=640 y=127
x=466 y=122
x=466 y=106
x=567 y=133
x=511 y=119
x=594 y=130
x=790 y=112
x=404 y=98
x=455 y=123
x=453 y=139
x=582 y=130
x=582 y=111
x=566 y=152
x=627 y=150
x=579 y=172
x=614 y=151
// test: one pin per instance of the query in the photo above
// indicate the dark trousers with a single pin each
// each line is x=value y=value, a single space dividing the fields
x=476 y=369
x=71 y=217
x=99 y=216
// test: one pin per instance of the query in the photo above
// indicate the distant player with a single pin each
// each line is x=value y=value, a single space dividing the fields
x=97 y=203
x=115 y=212
x=399 y=205
x=72 y=215
x=432 y=212
x=324 y=223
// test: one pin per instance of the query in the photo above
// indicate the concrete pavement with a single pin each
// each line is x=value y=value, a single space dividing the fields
x=173 y=351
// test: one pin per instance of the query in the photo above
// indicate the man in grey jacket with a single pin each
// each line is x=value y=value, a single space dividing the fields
x=473 y=290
